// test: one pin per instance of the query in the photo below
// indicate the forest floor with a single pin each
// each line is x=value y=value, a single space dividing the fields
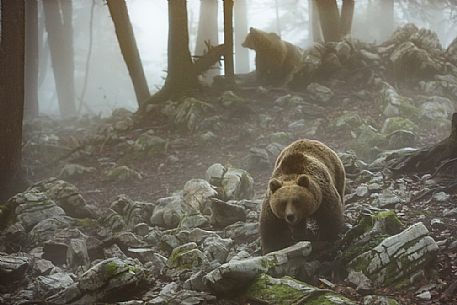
x=187 y=156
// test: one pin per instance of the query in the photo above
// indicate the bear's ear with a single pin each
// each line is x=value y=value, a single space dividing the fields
x=303 y=181
x=274 y=184
x=252 y=30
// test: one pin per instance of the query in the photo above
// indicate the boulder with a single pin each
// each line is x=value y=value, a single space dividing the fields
x=396 y=257
x=226 y=213
x=197 y=194
x=169 y=211
x=321 y=94
x=231 y=183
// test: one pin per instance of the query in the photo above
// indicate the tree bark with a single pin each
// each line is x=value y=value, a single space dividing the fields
x=207 y=32
x=12 y=54
x=314 y=22
x=241 y=31
x=347 y=13
x=329 y=19
x=31 y=59
x=228 y=41
x=126 y=38
x=58 y=22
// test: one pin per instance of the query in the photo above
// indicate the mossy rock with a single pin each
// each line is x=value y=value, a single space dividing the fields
x=398 y=123
x=289 y=291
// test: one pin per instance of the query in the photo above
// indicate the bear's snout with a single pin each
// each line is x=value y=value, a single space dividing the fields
x=291 y=218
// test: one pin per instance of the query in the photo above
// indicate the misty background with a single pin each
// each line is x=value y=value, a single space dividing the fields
x=108 y=84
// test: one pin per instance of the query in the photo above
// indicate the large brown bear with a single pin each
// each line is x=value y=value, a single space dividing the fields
x=276 y=60
x=307 y=183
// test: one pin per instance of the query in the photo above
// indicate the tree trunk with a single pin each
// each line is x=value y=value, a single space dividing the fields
x=386 y=14
x=31 y=59
x=129 y=49
x=228 y=41
x=314 y=22
x=12 y=54
x=241 y=31
x=278 y=22
x=207 y=32
x=59 y=27
x=329 y=19
x=347 y=13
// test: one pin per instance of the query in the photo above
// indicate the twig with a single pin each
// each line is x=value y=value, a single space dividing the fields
x=447 y=162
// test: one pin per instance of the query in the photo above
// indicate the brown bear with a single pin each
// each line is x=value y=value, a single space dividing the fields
x=308 y=182
x=276 y=60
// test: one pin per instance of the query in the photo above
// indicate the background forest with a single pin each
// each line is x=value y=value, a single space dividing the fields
x=138 y=138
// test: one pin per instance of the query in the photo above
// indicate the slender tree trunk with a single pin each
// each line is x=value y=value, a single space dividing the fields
x=12 y=53
x=59 y=27
x=241 y=31
x=129 y=49
x=347 y=13
x=207 y=32
x=31 y=59
x=314 y=22
x=386 y=14
x=329 y=19
x=228 y=41
x=278 y=22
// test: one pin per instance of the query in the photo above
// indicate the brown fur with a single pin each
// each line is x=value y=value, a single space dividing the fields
x=308 y=182
x=276 y=60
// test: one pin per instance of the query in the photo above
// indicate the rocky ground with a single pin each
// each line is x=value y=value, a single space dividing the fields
x=164 y=209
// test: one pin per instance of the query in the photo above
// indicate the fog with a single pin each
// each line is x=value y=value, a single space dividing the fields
x=109 y=85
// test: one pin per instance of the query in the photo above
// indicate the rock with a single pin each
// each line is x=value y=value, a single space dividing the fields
x=42 y=266
x=450 y=212
x=149 y=144
x=387 y=199
x=217 y=248
x=396 y=257
x=451 y=52
x=362 y=283
x=77 y=253
x=257 y=159
x=112 y=220
x=46 y=229
x=230 y=99
x=13 y=268
x=401 y=138
x=143 y=254
x=395 y=104
x=236 y=274
x=65 y=195
x=189 y=113
x=349 y=120
x=242 y=231
x=281 y=137
x=441 y=197
x=169 y=211
x=141 y=229
x=208 y=137
x=34 y=207
x=197 y=193
x=378 y=300
x=196 y=220
x=132 y=212
x=226 y=213
x=52 y=284
x=288 y=291
x=424 y=296
x=398 y=123
x=170 y=295
x=156 y=264
x=112 y=279
x=320 y=93
x=437 y=223
x=437 y=107
x=186 y=256
x=362 y=191
x=122 y=173
x=233 y=183
x=75 y=170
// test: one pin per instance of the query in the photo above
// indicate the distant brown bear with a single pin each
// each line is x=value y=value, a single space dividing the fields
x=276 y=60
x=308 y=182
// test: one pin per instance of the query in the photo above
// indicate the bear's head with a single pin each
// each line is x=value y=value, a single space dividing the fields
x=294 y=200
x=258 y=39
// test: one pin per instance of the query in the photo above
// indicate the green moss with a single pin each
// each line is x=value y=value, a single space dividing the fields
x=326 y=299
x=281 y=294
x=87 y=223
x=110 y=268
x=397 y=123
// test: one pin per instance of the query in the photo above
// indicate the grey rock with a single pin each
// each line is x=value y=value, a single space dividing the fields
x=132 y=212
x=242 y=231
x=186 y=256
x=141 y=229
x=234 y=183
x=401 y=138
x=413 y=247
x=74 y=170
x=47 y=228
x=149 y=143
x=112 y=220
x=67 y=196
x=170 y=295
x=424 y=296
x=378 y=300
x=143 y=254
x=13 y=267
x=217 y=248
x=156 y=264
x=77 y=255
x=437 y=107
x=169 y=211
x=35 y=207
x=197 y=193
x=320 y=93
x=122 y=173
x=224 y=213
x=362 y=191
x=51 y=284
x=42 y=266
x=193 y=221
x=441 y=197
